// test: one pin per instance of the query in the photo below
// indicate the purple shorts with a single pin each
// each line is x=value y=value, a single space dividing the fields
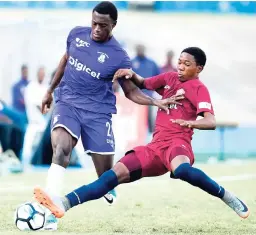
x=95 y=129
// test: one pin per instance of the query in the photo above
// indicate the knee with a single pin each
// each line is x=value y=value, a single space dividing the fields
x=122 y=173
x=62 y=144
x=182 y=171
x=61 y=155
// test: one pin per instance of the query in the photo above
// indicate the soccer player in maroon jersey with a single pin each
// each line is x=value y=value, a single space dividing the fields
x=170 y=150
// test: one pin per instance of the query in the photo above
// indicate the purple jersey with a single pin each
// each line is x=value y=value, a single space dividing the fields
x=87 y=80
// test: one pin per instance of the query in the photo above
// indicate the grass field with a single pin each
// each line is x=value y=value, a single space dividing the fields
x=151 y=206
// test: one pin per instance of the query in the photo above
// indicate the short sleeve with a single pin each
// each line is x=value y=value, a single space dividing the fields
x=203 y=101
x=156 y=82
x=125 y=64
x=71 y=36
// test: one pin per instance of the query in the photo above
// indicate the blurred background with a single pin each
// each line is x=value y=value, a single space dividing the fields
x=33 y=39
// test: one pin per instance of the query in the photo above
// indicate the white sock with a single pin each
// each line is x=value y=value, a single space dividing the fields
x=55 y=179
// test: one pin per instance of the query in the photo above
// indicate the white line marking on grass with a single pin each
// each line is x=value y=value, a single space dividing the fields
x=236 y=177
x=15 y=188
x=20 y=189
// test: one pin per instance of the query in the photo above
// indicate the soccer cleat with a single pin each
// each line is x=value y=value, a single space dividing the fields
x=110 y=197
x=51 y=223
x=236 y=204
x=54 y=204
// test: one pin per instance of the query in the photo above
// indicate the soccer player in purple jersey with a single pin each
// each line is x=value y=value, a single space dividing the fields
x=84 y=97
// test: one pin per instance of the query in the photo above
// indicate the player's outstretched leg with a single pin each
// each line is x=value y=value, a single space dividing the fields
x=106 y=182
x=182 y=169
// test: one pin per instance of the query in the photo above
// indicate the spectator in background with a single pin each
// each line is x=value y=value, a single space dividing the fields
x=146 y=68
x=5 y=123
x=18 y=91
x=168 y=67
x=43 y=152
x=12 y=129
x=13 y=125
x=33 y=97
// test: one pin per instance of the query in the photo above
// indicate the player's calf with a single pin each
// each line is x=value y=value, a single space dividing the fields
x=199 y=179
x=62 y=143
x=123 y=176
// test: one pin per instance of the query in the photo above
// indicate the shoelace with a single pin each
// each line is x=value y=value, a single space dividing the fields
x=235 y=204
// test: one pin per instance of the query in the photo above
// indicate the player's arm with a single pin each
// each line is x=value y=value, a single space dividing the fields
x=152 y=83
x=138 y=80
x=47 y=100
x=122 y=74
x=208 y=122
x=133 y=93
x=59 y=73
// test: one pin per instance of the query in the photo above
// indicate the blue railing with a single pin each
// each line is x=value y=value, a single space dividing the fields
x=247 y=7
x=232 y=143
x=78 y=5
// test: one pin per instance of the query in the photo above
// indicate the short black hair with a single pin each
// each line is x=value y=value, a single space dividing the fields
x=24 y=66
x=107 y=8
x=198 y=54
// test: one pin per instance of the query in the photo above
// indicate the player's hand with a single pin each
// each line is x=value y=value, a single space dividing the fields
x=161 y=104
x=164 y=104
x=120 y=73
x=182 y=122
x=46 y=103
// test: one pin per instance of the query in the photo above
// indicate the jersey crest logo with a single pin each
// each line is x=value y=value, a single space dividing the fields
x=180 y=92
x=102 y=58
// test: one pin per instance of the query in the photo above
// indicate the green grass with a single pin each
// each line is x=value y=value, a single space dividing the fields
x=152 y=206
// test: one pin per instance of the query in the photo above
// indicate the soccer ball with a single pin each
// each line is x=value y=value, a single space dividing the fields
x=30 y=216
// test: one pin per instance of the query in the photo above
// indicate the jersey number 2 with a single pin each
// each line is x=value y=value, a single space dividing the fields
x=108 y=125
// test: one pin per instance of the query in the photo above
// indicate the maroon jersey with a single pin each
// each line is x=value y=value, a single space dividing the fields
x=197 y=100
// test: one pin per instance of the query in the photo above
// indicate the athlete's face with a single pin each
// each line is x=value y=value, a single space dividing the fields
x=24 y=73
x=187 y=67
x=41 y=75
x=102 y=26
